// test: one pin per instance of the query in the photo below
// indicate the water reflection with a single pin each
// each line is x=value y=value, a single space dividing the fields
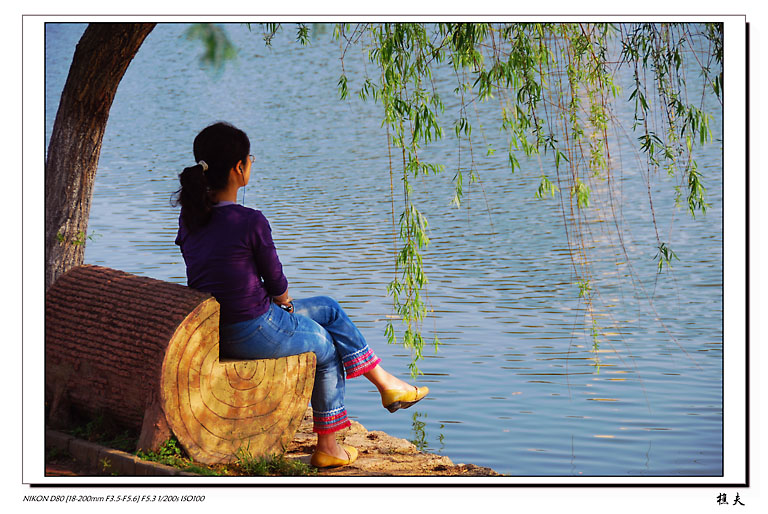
x=419 y=438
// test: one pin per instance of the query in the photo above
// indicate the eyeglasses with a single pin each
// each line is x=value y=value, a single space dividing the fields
x=252 y=158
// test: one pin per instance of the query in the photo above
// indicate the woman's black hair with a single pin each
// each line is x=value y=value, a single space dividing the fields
x=221 y=146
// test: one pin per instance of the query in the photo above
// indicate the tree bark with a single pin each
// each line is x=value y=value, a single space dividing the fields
x=101 y=58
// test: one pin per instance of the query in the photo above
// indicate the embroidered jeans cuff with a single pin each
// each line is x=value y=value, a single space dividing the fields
x=360 y=363
x=329 y=422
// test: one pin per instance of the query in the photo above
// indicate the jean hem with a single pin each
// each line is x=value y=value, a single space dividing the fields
x=321 y=431
x=364 y=369
x=327 y=422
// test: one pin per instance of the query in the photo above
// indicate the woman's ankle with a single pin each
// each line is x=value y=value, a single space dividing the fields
x=326 y=440
x=385 y=381
x=327 y=443
x=379 y=377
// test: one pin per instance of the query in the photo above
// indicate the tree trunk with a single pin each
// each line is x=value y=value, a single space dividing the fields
x=101 y=58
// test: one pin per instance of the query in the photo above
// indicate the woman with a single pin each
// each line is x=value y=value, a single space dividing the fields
x=229 y=252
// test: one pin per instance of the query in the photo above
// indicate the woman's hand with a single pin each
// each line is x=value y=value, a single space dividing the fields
x=284 y=301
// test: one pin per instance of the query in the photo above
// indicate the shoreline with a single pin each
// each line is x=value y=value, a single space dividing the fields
x=380 y=455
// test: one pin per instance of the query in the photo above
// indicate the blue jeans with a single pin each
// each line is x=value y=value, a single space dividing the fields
x=317 y=325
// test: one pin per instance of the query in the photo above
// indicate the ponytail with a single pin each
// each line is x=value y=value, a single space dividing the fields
x=217 y=148
x=194 y=197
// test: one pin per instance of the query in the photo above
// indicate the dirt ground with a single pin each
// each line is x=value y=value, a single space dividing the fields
x=380 y=454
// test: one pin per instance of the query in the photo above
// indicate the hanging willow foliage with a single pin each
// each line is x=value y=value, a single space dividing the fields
x=558 y=103
x=554 y=83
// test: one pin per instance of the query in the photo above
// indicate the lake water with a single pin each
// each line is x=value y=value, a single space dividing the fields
x=514 y=383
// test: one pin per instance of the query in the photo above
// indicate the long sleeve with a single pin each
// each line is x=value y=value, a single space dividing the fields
x=265 y=255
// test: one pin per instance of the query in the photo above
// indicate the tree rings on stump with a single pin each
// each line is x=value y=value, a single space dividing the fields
x=217 y=409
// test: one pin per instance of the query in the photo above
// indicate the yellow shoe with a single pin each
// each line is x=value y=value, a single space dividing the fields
x=323 y=460
x=393 y=399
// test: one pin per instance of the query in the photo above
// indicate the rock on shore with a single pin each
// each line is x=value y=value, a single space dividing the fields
x=380 y=454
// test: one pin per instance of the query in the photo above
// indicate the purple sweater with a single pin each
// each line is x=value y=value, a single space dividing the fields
x=233 y=258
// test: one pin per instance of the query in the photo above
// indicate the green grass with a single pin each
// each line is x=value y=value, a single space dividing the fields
x=99 y=430
x=170 y=453
x=271 y=465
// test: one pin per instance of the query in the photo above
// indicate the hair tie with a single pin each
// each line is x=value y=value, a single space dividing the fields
x=204 y=165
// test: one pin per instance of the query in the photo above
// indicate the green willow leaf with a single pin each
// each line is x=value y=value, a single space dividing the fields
x=559 y=104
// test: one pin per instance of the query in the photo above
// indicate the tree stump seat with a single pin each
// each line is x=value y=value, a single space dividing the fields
x=144 y=352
